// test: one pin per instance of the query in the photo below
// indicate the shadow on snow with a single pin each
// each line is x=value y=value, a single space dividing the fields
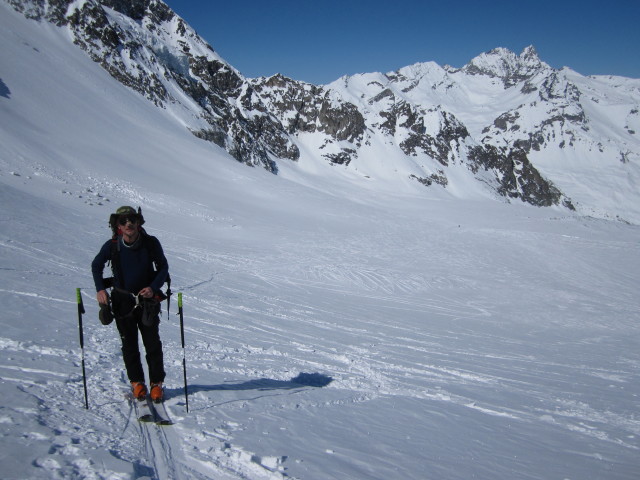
x=4 y=90
x=302 y=380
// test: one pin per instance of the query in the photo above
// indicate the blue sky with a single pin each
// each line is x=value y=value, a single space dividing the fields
x=320 y=42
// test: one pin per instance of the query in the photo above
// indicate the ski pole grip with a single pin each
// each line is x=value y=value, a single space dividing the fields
x=179 y=299
x=79 y=300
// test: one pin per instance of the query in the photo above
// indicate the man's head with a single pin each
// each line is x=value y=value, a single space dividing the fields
x=126 y=220
x=128 y=214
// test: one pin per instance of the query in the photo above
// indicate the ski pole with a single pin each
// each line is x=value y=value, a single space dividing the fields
x=84 y=376
x=184 y=361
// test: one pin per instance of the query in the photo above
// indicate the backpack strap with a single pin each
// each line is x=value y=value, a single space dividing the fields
x=151 y=248
x=114 y=260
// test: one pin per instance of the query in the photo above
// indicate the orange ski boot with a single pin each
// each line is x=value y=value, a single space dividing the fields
x=157 y=393
x=139 y=390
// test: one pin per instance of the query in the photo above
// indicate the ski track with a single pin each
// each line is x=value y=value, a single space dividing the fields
x=374 y=359
x=155 y=452
x=369 y=372
x=162 y=449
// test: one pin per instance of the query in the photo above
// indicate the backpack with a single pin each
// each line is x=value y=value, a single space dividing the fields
x=146 y=243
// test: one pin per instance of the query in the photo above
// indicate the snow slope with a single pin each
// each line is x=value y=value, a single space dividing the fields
x=333 y=330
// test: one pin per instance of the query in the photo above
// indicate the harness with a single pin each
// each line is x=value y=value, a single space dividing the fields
x=114 y=259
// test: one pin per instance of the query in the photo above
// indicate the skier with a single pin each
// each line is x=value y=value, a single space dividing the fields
x=135 y=296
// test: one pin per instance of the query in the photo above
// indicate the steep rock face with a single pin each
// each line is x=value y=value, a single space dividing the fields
x=145 y=46
x=433 y=132
x=442 y=144
x=305 y=108
x=516 y=176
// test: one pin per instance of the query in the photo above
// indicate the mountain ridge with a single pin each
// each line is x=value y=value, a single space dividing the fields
x=509 y=121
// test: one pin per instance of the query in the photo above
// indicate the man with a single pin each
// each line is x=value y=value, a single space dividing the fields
x=139 y=271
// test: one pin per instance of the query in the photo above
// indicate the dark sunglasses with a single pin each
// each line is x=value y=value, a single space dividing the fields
x=128 y=218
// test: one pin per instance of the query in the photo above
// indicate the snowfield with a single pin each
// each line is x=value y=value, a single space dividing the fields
x=334 y=329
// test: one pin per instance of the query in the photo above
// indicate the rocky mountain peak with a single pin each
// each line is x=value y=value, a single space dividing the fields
x=506 y=65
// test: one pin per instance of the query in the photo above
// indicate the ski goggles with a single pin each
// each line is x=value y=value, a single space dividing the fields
x=123 y=219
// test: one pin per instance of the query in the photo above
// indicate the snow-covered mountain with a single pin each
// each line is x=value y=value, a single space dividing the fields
x=511 y=123
x=342 y=321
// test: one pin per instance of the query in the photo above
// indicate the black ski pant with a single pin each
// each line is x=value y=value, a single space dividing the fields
x=128 y=328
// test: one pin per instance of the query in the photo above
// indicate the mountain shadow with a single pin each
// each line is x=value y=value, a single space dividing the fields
x=4 y=90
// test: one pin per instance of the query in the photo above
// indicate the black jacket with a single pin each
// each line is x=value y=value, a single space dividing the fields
x=140 y=265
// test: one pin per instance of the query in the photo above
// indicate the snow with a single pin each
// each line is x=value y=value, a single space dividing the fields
x=334 y=329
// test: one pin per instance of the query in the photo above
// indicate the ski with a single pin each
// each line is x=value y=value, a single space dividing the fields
x=161 y=415
x=144 y=413
x=149 y=412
